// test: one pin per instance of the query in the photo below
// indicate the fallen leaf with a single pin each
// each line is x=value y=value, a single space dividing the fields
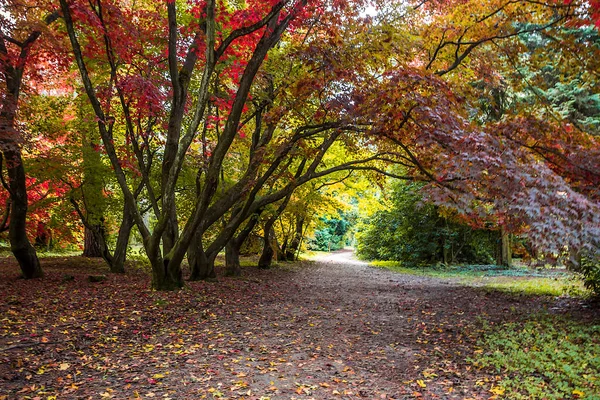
x=499 y=390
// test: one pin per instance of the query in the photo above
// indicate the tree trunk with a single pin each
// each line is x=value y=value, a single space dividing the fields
x=91 y=247
x=165 y=275
x=99 y=237
x=279 y=253
x=92 y=189
x=445 y=253
x=166 y=272
x=281 y=250
x=291 y=252
x=233 y=246
x=20 y=246
x=232 y=258
x=171 y=233
x=10 y=142
x=504 y=251
x=118 y=264
x=202 y=266
x=266 y=258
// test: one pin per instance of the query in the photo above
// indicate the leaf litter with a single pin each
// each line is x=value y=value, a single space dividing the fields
x=334 y=328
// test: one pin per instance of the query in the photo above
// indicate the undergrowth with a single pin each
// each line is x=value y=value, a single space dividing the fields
x=544 y=358
x=517 y=280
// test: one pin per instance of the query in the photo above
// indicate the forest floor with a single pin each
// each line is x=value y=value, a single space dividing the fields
x=334 y=328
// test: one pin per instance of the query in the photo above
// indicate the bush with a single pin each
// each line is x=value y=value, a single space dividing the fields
x=417 y=233
x=333 y=234
x=589 y=268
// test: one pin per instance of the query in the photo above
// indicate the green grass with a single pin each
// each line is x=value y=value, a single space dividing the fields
x=68 y=252
x=310 y=255
x=518 y=280
x=538 y=286
x=547 y=357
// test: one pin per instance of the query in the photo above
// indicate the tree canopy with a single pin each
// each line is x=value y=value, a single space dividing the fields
x=197 y=123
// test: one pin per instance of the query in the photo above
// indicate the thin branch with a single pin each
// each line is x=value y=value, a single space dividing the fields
x=331 y=183
x=248 y=29
x=472 y=45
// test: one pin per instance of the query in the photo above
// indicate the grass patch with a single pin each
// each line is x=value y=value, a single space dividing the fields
x=517 y=280
x=538 y=286
x=311 y=255
x=544 y=358
x=453 y=271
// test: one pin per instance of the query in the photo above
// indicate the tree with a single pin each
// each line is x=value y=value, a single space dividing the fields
x=252 y=99
x=418 y=233
x=250 y=39
x=166 y=263
x=21 y=28
x=526 y=174
x=92 y=187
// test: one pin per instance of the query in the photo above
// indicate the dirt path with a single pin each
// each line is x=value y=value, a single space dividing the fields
x=335 y=328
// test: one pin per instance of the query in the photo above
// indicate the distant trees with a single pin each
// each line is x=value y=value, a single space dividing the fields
x=332 y=231
x=420 y=233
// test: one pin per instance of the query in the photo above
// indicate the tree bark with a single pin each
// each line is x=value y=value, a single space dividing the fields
x=233 y=246
x=202 y=266
x=266 y=258
x=166 y=275
x=445 y=253
x=91 y=247
x=292 y=250
x=232 y=258
x=120 y=254
x=281 y=250
x=20 y=246
x=504 y=250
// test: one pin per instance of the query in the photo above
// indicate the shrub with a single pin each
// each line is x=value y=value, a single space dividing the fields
x=333 y=233
x=418 y=233
x=589 y=268
x=549 y=358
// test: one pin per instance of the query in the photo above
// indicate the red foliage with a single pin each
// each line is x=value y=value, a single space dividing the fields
x=591 y=11
x=527 y=175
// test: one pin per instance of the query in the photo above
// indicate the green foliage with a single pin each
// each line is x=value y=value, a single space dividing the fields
x=589 y=268
x=570 y=91
x=333 y=234
x=547 y=358
x=417 y=233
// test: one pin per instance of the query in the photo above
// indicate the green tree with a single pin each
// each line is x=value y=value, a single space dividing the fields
x=332 y=233
x=418 y=233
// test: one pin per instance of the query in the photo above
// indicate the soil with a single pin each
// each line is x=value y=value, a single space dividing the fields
x=331 y=329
